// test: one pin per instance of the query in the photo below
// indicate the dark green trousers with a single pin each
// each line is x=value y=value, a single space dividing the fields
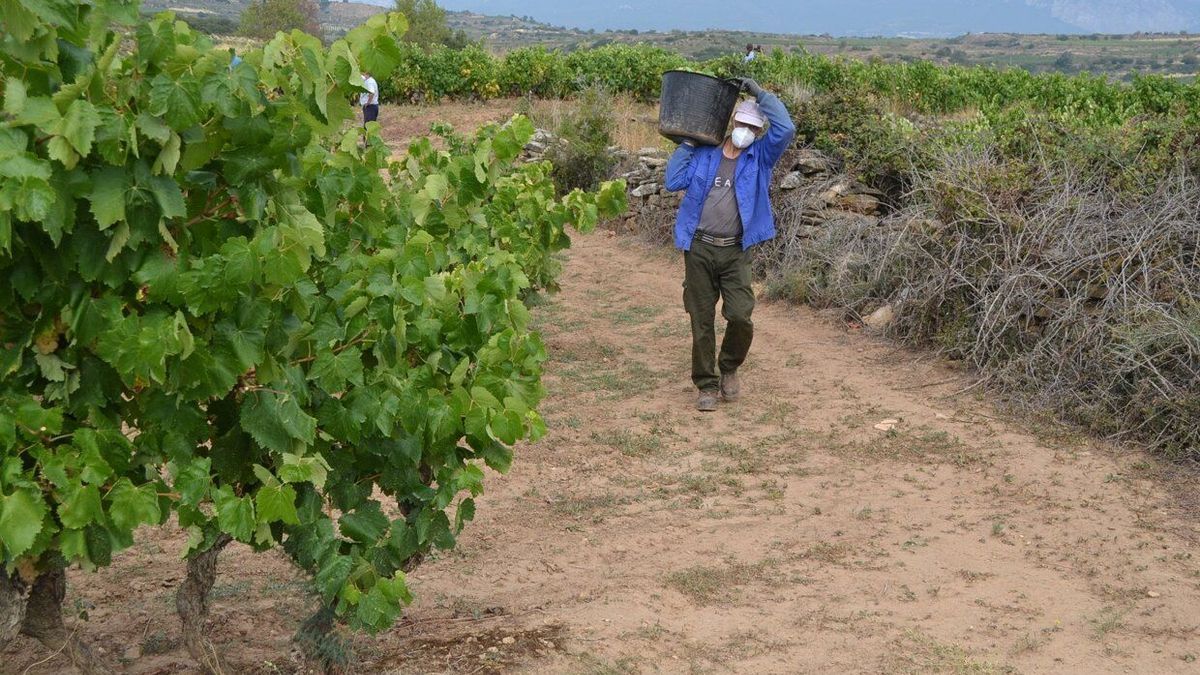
x=712 y=272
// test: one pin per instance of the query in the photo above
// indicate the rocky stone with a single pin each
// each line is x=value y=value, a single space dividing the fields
x=859 y=203
x=644 y=190
x=887 y=425
x=829 y=216
x=880 y=318
x=649 y=152
x=653 y=162
x=810 y=162
x=813 y=203
x=841 y=188
x=791 y=181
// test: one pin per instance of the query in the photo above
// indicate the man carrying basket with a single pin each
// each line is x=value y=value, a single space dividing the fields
x=724 y=212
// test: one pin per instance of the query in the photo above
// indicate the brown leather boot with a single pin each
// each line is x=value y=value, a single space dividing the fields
x=707 y=401
x=731 y=386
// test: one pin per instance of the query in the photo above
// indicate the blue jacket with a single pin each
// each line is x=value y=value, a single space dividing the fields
x=695 y=168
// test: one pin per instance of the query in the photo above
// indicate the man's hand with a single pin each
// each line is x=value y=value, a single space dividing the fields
x=750 y=86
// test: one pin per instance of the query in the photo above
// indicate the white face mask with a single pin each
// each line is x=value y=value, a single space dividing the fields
x=742 y=138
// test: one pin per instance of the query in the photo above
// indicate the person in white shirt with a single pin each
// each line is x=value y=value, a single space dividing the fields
x=369 y=99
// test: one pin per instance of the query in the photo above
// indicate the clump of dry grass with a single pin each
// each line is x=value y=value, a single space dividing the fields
x=636 y=123
x=1081 y=297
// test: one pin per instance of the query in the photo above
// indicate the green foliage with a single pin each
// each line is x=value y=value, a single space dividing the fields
x=535 y=71
x=632 y=69
x=474 y=73
x=264 y=18
x=917 y=86
x=427 y=24
x=924 y=87
x=215 y=303
x=580 y=153
x=441 y=72
x=212 y=24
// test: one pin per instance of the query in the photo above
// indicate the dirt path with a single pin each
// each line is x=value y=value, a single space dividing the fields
x=786 y=534
x=782 y=534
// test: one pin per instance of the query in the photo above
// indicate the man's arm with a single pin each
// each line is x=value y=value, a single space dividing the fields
x=782 y=130
x=681 y=168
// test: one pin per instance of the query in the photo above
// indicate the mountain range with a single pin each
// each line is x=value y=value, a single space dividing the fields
x=931 y=18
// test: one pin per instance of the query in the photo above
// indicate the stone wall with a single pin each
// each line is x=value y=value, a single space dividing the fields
x=808 y=191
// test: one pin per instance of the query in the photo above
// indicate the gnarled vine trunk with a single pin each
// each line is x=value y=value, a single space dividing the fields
x=14 y=596
x=191 y=603
x=44 y=621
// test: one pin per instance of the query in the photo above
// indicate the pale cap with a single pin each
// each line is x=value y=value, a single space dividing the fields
x=748 y=112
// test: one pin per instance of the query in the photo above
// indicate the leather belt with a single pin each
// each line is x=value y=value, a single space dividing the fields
x=718 y=241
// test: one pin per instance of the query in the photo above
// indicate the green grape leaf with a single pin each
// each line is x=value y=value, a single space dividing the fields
x=365 y=524
x=168 y=195
x=276 y=504
x=332 y=575
x=235 y=515
x=382 y=605
x=15 y=94
x=497 y=456
x=153 y=128
x=132 y=506
x=78 y=126
x=193 y=481
x=333 y=371
x=82 y=507
x=176 y=100
x=168 y=158
x=464 y=514
x=297 y=469
x=40 y=112
x=508 y=426
x=21 y=516
x=109 y=186
x=276 y=422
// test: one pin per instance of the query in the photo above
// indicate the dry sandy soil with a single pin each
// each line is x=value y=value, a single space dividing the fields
x=784 y=533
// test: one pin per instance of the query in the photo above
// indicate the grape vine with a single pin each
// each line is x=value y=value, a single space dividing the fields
x=222 y=300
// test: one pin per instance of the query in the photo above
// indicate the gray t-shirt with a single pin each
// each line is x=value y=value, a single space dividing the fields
x=720 y=216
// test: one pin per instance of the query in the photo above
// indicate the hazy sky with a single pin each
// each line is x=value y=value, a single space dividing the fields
x=854 y=17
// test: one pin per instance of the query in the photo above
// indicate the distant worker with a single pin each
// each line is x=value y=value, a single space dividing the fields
x=725 y=211
x=369 y=99
x=750 y=53
x=234 y=59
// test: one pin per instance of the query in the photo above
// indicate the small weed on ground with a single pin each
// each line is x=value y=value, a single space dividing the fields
x=630 y=443
x=915 y=652
x=706 y=585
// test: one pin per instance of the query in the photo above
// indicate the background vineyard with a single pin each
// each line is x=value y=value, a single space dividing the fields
x=475 y=73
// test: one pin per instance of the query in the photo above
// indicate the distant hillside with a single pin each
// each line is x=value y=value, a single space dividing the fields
x=335 y=17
